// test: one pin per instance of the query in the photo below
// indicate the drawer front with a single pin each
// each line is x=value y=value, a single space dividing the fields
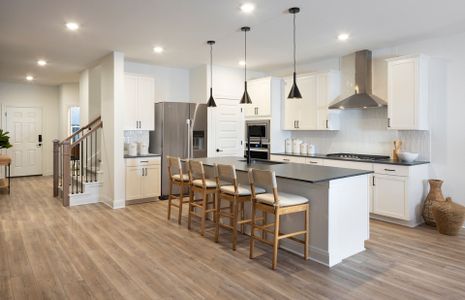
x=391 y=170
x=348 y=164
x=143 y=161
x=314 y=161
x=286 y=158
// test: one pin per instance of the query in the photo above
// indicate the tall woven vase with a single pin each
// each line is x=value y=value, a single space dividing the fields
x=434 y=195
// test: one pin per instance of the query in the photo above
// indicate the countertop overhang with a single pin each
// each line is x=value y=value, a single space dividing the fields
x=299 y=172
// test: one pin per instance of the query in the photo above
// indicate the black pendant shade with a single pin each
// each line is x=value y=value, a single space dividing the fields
x=245 y=97
x=211 y=101
x=294 y=93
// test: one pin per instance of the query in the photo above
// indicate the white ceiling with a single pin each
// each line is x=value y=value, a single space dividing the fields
x=35 y=29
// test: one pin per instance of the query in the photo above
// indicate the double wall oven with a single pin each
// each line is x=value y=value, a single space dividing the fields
x=259 y=131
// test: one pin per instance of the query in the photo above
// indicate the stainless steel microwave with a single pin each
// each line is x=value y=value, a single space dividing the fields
x=259 y=131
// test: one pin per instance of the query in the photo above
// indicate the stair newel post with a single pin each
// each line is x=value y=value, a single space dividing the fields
x=56 y=166
x=66 y=172
x=91 y=156
x=81 y=169
x=87 y=157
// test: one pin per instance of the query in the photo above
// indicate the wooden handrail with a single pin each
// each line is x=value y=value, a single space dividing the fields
x=94 y=128
x=83 y=128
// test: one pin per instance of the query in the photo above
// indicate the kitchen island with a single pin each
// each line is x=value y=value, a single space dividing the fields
x=339 y=205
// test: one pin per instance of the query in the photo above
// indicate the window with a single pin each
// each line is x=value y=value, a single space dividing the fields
x=74 y=120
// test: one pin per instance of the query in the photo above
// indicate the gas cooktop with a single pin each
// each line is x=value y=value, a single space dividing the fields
x=358 y=156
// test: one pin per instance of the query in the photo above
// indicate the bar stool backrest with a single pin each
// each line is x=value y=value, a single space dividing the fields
x=196 y=171
x=226 y=173
x=174 y=166
x=264 y=179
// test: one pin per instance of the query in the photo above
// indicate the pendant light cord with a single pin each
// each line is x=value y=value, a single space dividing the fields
x=294 y=46
x=245 y=55
x=211 y=66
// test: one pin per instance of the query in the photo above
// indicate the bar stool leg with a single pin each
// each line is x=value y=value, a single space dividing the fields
x=265 y=220
x=190 y=209
x=306 y=234
x=169 y=199
x=234 y=224
x=181 y=200
x=276 y=240
x=204 y=208
x=217 y=217
x=242 y=216
x=252 y=233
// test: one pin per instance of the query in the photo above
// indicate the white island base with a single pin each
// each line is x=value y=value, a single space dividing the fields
x=339 y=217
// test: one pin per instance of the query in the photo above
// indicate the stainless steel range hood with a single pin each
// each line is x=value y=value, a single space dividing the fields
x=356 y=73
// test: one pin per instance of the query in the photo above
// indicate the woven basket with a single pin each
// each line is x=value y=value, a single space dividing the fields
x=449 y=216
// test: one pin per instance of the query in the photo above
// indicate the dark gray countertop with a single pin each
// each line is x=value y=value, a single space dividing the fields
x=382 y=161
x=142 y=156
x=300 y=172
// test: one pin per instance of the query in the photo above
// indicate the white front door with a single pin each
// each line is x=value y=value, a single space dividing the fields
x=226 y=128
x=25 y=127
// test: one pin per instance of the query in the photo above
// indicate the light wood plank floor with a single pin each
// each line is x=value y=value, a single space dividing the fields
x=48 y=251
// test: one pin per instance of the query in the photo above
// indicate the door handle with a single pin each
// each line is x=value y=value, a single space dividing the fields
x=219 y=150
x=389 y=122
x=327 y=124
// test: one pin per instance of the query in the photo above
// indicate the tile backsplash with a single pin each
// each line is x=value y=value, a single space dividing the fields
x=136 y=136
x=364 y=131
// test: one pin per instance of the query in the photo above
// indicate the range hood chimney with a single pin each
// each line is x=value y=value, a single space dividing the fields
x=363 y=96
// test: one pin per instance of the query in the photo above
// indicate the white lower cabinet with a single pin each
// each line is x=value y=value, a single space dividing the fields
x=143 y=178
x=390 y=196
x=395 y=192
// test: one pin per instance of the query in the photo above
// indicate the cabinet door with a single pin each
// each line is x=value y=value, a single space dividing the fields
x=308 y=109
x=146 y=103
x=291 y=108
x=133 y=183
x=150 y=183
x=402 y=93
x=130 y=102
x=390 y=196
x=328 y=88
x=260 y=93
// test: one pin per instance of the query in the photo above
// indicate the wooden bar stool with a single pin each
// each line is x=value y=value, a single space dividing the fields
x=205 y=187
x=279 y=204
x=179 y=179
x=236 y=195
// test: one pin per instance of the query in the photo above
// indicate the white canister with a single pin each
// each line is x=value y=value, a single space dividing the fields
x=132 y=149
x=288 y=145
x=311 y=149
x=142 y=148
x=304 y=149
x=296 y=146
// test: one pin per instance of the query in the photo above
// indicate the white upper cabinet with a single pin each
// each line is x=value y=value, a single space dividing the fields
x=260 y=91
x=408 y=93
x=311 y=112
x=139 y=113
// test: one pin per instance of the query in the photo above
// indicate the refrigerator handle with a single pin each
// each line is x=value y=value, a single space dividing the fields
x=188 y=123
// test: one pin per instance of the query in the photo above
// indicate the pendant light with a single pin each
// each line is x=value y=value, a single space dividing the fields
x=245 y=98
x=294 y=93
x=211 y=101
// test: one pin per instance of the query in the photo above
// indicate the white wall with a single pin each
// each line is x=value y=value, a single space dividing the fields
x=171 y=84
x=95 y=86
x=68 y=97
x=112 y=148
x=33 y=95
x=84 y=97
x=447 y=97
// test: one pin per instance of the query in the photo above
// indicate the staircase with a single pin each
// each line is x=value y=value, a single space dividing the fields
x=77 y=175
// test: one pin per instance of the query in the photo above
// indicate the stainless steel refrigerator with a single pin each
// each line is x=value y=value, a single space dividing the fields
x=180 y=130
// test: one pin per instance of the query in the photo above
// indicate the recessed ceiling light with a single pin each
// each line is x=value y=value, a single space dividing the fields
x=343 y=36
x=41 y=62
x=73 y=26
x=241 y=63
x=248 y=8
x=29 y=78
x=158 y=49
